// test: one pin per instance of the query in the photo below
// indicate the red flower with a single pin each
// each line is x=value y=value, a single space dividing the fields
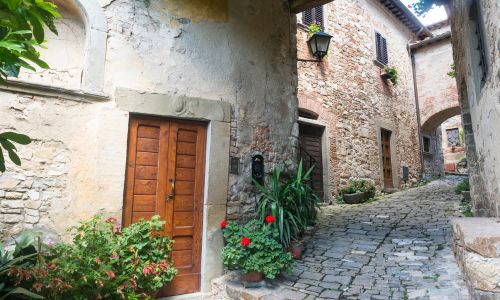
x=223 y=224
x=38 y=286
x=245 y=241
x=270 y=219
x=111 y=220
x=110 y=274
x=148 y=269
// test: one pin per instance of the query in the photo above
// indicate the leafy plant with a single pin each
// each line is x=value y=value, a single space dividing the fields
x=466 y=209
x=461 y=134
x=421 y=7
x=292 y=203
x=453 y=72
x=6 y=142
x=105 y=262
x=463 y=186
x=21 y=30
x=392 y=74
x=23 y=255
x=314 y=28
x=255 y=247
x=22 y=25
x=358 y=186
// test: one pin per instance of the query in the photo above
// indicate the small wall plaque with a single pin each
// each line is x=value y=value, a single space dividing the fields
x=234 y=165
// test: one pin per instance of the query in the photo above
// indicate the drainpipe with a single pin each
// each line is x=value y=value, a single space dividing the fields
x=417 y=106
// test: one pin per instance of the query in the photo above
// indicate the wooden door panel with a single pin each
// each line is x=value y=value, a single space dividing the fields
x=185 y=172
x=386 y=158
x=310 y=141
x=165 y=176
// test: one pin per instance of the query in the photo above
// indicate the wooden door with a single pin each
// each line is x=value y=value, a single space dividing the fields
x=385 y=137
x=165 y=176
x=311 y=153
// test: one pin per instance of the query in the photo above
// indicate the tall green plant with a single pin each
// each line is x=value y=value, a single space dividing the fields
x=291 y=202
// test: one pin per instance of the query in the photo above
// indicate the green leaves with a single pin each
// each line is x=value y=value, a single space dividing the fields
x=292 y=203
x=22 y=25
x=6 y=139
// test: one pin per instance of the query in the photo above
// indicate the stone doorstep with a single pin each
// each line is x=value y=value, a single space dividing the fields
x=476 y=243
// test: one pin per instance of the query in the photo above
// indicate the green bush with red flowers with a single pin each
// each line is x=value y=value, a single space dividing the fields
x=103 y=262
x=255 y=247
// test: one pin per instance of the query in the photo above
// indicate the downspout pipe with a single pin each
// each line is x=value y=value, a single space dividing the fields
x=417 y=106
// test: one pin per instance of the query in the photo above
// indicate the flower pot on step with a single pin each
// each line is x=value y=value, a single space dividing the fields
x=253 y=277
x=355 y=198
x=296 y=249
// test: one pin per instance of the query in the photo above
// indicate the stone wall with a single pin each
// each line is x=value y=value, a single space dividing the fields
x=240 y=53
x=434 y=159
x=352 y=97
x=437 y=91
x=479 y=100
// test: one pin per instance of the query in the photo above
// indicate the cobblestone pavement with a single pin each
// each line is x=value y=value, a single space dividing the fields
x=395 y=248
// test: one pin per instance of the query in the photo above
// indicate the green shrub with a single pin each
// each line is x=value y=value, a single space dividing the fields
x=255 y=247
x=104 y=262
x=291 y=202
x=463 y=186
x=24 y=255
x=357 y=186
x=314 y=28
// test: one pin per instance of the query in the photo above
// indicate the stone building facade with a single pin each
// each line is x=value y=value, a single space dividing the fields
x=351 y=100
x=438 y=101
x=476 y=36
x=228 y=66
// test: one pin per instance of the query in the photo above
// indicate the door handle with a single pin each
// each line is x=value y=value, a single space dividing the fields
x=172 y=190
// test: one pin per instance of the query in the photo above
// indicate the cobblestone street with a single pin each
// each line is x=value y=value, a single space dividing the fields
x=395 y=248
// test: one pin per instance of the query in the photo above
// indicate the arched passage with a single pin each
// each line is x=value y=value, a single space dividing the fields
x=430 y=125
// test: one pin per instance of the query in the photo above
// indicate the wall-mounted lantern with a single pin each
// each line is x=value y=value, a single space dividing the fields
x=319 y=43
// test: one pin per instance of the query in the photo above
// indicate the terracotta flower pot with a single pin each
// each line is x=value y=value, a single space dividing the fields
x=253 y=276
x=296 y=249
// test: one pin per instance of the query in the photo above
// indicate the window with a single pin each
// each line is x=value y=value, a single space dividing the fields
x=427 y=144
x=381 y=49
x=453 y=137
x=313 y=15
x=478 y=46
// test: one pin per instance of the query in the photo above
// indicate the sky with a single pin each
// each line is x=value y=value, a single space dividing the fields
x=434 y=15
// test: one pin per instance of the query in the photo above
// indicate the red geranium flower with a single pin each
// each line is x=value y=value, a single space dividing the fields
x=223 y=224
x=245 y=241
x=38 y=286
x=270 y=219
x=110 y=274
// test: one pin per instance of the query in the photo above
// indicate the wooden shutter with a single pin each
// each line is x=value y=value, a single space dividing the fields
x=313 y=15
x=381 y=49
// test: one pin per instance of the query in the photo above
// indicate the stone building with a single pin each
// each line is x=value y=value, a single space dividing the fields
x=145 y=102
x=442 y=145
x=476 y=35
x=367 y=126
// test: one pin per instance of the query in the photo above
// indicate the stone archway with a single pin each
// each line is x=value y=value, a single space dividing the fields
x=432 y=122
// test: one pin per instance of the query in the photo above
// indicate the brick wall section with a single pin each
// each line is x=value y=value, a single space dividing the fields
x=351 y=96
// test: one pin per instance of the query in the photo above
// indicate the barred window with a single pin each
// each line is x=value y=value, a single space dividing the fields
x=381 y=48
x=313 y=15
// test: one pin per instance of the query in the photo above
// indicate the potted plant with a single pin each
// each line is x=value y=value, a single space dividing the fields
x=358 y=191
x=390 y=73
x=254 y=248
x=292 y=203
x=464 y=188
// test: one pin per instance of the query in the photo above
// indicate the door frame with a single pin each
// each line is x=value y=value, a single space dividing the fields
x=325 y=153
x=217 y=116
x=394 y=157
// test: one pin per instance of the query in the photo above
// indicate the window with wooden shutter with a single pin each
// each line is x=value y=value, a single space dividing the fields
x=381 y=49
x=313 y=15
